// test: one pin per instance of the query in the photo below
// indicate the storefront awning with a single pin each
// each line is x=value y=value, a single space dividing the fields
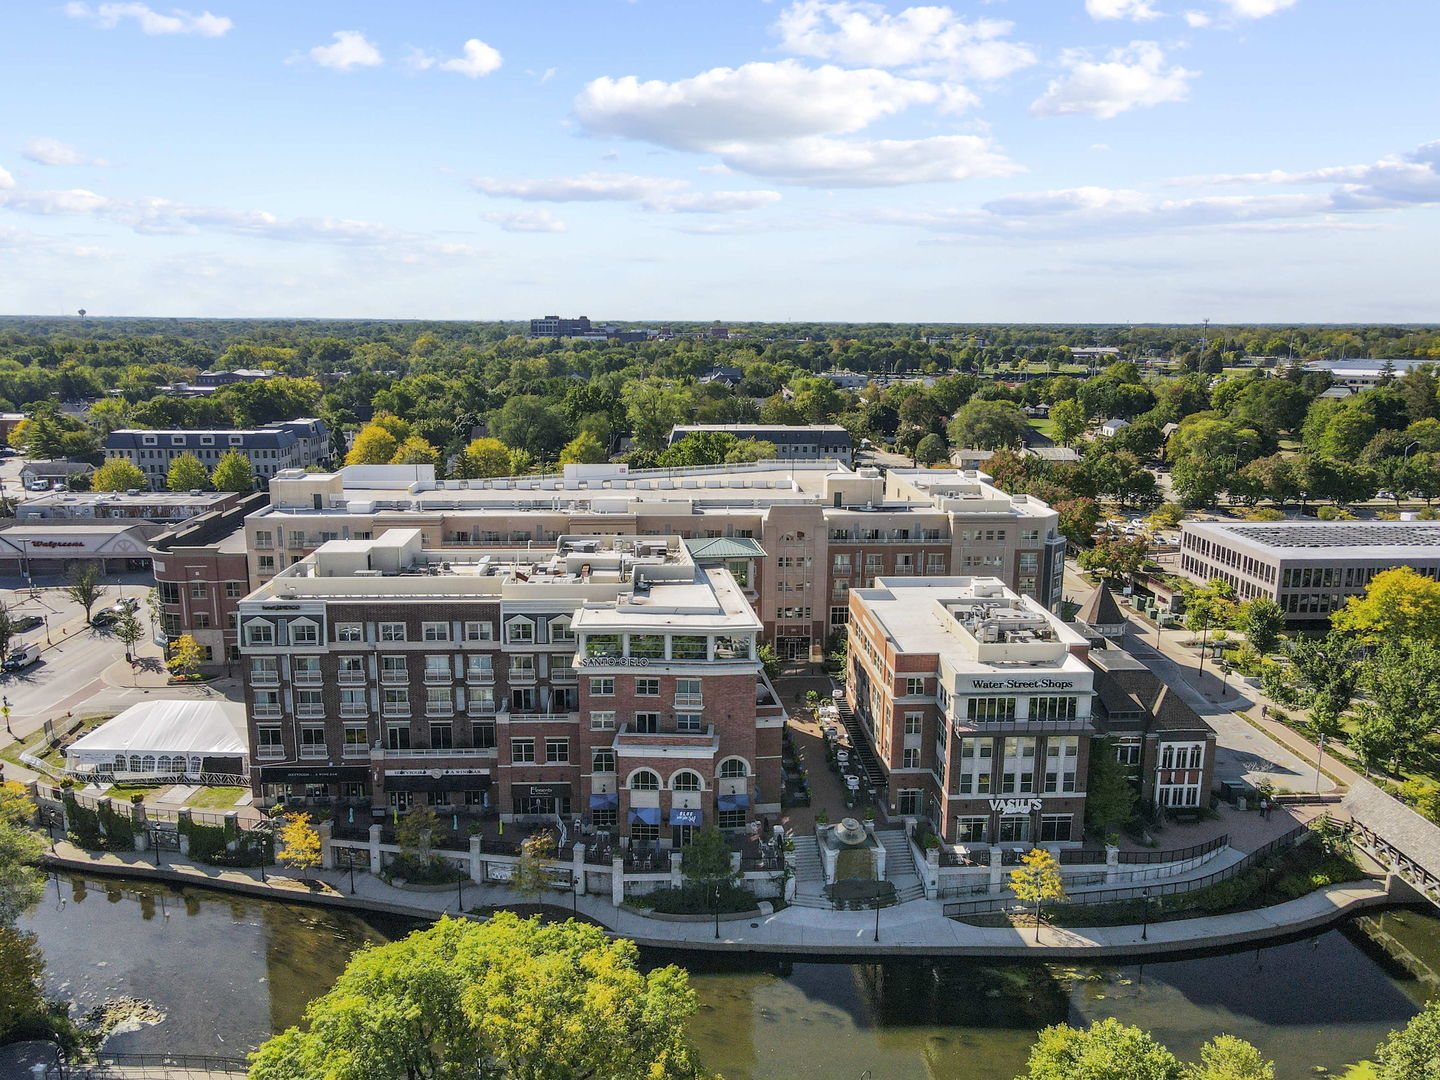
x=314 y=774
x=644 y=815
x=739 y=801
x=604 y=802
x=687 y=817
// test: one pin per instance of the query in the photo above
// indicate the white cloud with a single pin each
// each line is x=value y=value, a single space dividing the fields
x=6 y=180
x=350 y=49
x=928 y=40
x=46 y=151
x=587 y=187
x=478 y=59
x=1196 y=19
x=1256 y=9
x=152 y=215
x=830 y=163
x=1134 y=76
x=712 y=202
x=1391 y=183
x=526 y=221
x=755 y=103
x=108 y=16
x=1136 y=10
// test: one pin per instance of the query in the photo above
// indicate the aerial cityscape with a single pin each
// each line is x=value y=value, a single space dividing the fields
x=964 y=603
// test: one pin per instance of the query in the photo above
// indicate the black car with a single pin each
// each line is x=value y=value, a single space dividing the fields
x=27 y=622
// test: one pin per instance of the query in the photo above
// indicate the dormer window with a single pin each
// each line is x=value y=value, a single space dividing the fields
x=259 y=632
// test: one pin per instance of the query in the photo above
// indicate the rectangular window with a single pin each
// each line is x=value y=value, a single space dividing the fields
x=602 y=721
x=479 y=631
x=1052 y=708
x=393 y=669
x=1014 y=829
x=643 y=687
x=839 y=616
x=647 y=722
x=479 y=668
x=995 y=708
x=265 y=563
x=522 y=668
x=435 y=631
x=353 y=702
x=914 y=687
x=602 y=760
x=396 y=702
x=521 y=631
x=268 y=742
x=349 y=631
x=602 y=645
x=910 y=759
x=1061 y=755
x=522 y=751
x=357 y=740
x=392 y=631
x=199 y=590
x=605 y=687
x=557 y=751
x=397 y=736
x=649 y=646
x=1055 y=827
x=970 y=830
x=309 y=703
x=438 y=701
x=312 y=741
x=842 y=564
x=234 y=590
x=304 y=633
x=725 y=820
x=560 y=629
x=437 y=669
x=913 y=720
x=688 y=647
x=1128 y=752
x=689 y=721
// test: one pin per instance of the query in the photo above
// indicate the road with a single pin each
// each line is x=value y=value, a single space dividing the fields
x=1243 y=752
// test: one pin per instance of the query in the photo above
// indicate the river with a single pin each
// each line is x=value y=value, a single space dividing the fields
x=227 y=971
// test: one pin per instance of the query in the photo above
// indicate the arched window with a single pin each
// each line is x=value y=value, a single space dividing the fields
x=134 y=762
x=162 y=763
x=686 y=780
x=119 y=762
x=195 y=766
x=644 y=780
x=147 y=763
x=734 y=769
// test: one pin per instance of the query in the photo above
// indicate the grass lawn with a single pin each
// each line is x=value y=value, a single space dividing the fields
x=216 y=798
x=1044 y=426
x=55 y=756
x=124 y=791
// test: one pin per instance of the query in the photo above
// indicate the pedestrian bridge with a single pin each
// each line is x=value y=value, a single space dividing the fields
x=1404 y=842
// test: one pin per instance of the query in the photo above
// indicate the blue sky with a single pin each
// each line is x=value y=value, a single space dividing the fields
x=1016 y=160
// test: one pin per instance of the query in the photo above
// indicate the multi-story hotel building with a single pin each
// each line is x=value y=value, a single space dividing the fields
x=609 y=680
x=290 y=444
x=815 y=529
x=977 y=702
x=1309 y=568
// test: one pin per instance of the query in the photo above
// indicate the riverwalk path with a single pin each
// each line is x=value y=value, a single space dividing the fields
x=917 y=928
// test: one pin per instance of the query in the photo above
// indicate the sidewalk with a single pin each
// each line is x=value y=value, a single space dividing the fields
x=916 y=928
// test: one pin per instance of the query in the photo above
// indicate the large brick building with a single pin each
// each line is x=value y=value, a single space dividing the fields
x=290 y=444
x=981 y=707
x=609 y=681
x=822 y=528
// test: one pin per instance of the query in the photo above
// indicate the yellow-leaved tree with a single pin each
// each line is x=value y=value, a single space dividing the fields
x=299 y=843
x=1036 y=880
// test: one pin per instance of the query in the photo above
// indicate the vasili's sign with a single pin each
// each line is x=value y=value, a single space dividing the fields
x=1015 y=806
x=1024 y=684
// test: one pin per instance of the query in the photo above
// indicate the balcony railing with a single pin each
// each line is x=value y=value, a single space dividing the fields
x=440 y=710
x=689 y=701
x=485 y=676
x=352 y=709
x=351 y=678
x=522 y=675
x=309 y=678
x=437 y=677
x=394 y=678
x=630 y=731
x=518 y=717
x=310 y=712
x=264 y=678
x=353 y=752
x=442 y=752
x=266 y=712
x=395 y=710
x=480 y=708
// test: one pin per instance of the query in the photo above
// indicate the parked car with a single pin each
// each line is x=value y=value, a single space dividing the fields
x=22 y=658
x=116 y=611
x=26 y=622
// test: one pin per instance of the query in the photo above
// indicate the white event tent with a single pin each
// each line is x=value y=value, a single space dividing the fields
x=166 y=738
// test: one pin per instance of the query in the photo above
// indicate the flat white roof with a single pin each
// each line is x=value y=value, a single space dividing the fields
x=1397 y=541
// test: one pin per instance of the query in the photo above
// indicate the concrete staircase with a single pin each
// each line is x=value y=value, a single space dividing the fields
x=900 y=868
x=809 y=873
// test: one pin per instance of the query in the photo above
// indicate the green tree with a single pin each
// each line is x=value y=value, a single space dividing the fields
x=988 y=425
x=1261 y=621
x=374 y=445
x=931 y=450
x=187 y=474
x=1227 y=1057
x=1070 y=421
x=1037 y=879
x=532 y=876
x=21 y=882
x=584 y=449
x=1117 y=557
x=1401 y=710
x=8 y=628
x=84 y=587
x=233 y=472
x=1413 y=1052
x=118 y=474
x=1398 y=603
x=1109 y=795
x=505 y=999
x=706 y=862
x=128 y=632
x=1106 y=1050
x=22 y=998
x=1077 y=518
x=299 y=843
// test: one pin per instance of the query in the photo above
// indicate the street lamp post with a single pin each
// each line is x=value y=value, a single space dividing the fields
x=1204 y=634
x=1145 y=918
x=459 y=891
x=877 y=918
x=1319 y=757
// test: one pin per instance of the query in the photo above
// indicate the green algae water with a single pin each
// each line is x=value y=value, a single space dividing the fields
x=227 y=971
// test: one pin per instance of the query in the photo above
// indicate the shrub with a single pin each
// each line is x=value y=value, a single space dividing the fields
x=424 y=869
x=699 y=899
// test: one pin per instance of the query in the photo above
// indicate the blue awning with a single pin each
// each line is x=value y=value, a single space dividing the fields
x=644 y=815
x=739 y=801
x=687 y=817
x=604 y=802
